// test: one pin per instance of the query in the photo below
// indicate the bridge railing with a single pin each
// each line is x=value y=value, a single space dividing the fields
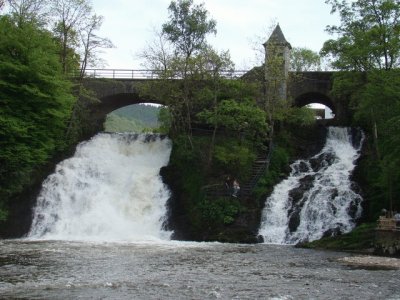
x=144 y=74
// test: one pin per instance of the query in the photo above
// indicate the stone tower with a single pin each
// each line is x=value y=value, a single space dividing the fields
x=277 y=60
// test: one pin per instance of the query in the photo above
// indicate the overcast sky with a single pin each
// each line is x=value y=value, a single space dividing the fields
x=240 y=23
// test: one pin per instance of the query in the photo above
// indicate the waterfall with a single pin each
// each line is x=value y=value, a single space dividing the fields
x=109 y=190
x=317 y=199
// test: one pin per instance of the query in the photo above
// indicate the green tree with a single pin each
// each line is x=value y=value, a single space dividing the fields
x=35 y=102
x=377 y=104
x=303 y=59
x=210 y=66
x=187 y=29
x=368 y=36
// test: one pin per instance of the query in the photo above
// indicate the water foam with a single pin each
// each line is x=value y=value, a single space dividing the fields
x=109 y=190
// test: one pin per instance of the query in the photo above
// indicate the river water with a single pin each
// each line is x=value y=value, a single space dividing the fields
x=179 y=270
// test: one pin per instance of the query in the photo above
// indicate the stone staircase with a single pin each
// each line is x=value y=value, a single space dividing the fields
x=259 y=167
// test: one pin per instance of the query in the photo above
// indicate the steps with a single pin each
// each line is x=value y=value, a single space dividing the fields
x=259 y=167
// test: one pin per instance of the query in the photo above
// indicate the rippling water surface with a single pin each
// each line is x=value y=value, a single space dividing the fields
x=176 y=270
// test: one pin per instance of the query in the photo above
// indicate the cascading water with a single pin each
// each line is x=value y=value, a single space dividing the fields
x=109 y=190
x=317 y=198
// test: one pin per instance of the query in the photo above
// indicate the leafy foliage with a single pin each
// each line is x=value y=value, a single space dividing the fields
x=237 y=116
x=378 y=108
x=188 y=26
x=35 y=102
x=303 y=59
x=219 y=211
x=368 y=35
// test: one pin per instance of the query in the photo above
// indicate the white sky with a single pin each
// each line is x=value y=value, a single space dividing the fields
x=129 y=24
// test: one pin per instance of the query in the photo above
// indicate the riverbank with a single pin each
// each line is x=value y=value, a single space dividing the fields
x=364 y=239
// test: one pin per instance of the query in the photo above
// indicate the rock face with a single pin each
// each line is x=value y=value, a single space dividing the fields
x=21 y=205
x=387 y=243
x=180 y=218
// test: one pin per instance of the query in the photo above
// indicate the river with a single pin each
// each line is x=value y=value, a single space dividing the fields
x=182 y=270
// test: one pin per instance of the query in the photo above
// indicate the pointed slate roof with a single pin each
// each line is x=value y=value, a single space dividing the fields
x=278 y=38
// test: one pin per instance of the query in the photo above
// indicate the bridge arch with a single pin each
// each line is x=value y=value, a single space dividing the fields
x=314 y=97
x=112 y=102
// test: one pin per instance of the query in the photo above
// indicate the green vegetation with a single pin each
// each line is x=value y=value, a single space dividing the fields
x=208 y=204
x=36 y=103
x=303 y=59
x=359 y=240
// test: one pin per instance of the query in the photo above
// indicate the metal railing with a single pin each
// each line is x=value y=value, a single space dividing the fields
x=145 y=74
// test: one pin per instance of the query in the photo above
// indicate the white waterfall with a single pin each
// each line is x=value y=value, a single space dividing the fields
x=317 y=198
x=109 y=190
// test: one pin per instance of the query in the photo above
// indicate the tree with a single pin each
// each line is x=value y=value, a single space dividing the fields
x=303 y=59
x=28 y=11
x=92 y=43
x=35 y=103
x=69 y=17
x=75 y=28
x=210 y=65
x=158 y=55
x=187 y=29
x=368 y=37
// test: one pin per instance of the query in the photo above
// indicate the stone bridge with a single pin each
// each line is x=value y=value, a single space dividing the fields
x=120 y=90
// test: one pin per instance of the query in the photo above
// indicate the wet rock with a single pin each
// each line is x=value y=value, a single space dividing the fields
x=306 y=184
x=332 y=232
x=294 y=221
x=371 y=262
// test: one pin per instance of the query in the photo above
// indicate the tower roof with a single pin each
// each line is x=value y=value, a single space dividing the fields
x=278 y=38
